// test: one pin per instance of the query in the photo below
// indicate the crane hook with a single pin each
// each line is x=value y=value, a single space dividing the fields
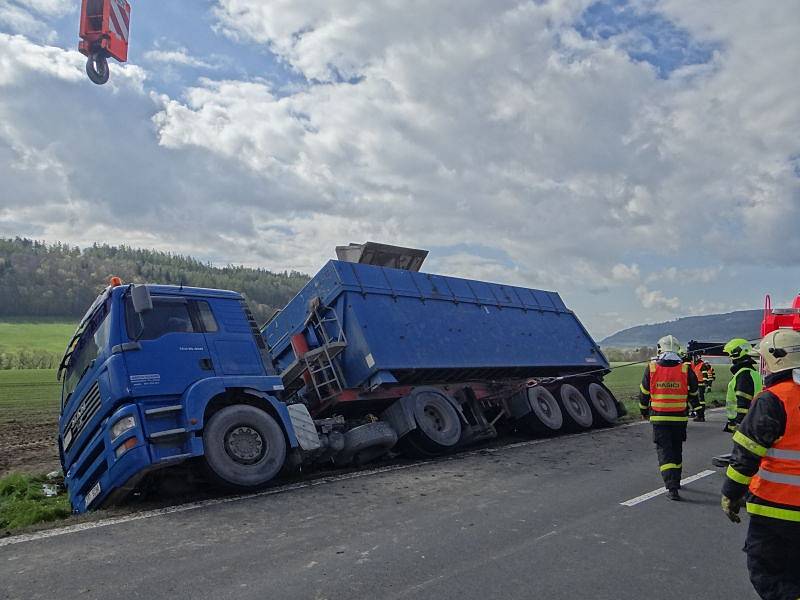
x=97 y=67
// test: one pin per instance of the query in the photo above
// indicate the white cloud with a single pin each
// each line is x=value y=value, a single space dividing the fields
x=28 y=17
x=20 y=58
x=686 y=276
x=178 y=56
x=656 y=299
x=623 y=272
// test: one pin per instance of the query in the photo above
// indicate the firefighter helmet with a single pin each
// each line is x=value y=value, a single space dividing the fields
x=780 y=350
x=737 y=348
x=669 y=343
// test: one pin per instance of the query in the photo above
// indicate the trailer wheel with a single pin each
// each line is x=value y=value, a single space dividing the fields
x=97 y=68
x=438 y=424
x=577 y=412
x=244 y=446
x=546 y=417
x=603 y=404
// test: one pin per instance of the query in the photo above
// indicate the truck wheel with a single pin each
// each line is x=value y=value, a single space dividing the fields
x=438 y=424
x=603 y=405
x=545 y=417
x=365 y=443
x=244 y=446
x=577 y=412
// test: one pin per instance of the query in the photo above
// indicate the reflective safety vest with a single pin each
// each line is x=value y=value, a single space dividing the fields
x=698 y=371
x=778 y=478
x=669 y=393
x=732 y=407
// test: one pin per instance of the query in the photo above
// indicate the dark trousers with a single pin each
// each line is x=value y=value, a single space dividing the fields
x=701 y=412
x=669 y=440
x=773 y=558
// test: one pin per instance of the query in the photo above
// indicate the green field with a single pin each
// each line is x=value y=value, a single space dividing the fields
x=29 y=395
x=29 y=406
x=50 y=335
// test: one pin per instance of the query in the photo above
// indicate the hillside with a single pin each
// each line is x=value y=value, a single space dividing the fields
x=57 y=280
x=743 y=323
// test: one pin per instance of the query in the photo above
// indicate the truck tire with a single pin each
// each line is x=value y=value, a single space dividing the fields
x=365 y=443
x=602 y=403
x=244 y=446
x=576 y=409
x=546 y=417
x=438 y=424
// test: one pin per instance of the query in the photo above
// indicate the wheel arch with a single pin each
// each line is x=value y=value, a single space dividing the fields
x=208 y=397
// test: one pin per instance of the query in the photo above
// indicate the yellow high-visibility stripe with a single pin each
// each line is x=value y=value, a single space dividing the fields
x=644 y=390
x=684 y=367
x=668 y=396
x=668 y=466
x=742 y=411
x=642 y=406
x=744 y=395
x=737 y=477
x=662 y=418
x=749 y=444
x=776 y=513
x=675 y=401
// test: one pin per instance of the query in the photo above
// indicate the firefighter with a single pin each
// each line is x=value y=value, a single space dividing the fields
x=744 y=385
x=766 y=462
x=701 y=371
x=667 y=388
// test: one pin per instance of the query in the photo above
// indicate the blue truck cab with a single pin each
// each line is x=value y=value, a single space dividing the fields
x=144 y=388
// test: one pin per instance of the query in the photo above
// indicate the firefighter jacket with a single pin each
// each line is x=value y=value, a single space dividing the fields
x=766 y=453
x=742 y=388
x=668 y=388
x=703 y=373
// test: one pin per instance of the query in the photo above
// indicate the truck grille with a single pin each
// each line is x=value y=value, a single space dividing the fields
x=86 y=410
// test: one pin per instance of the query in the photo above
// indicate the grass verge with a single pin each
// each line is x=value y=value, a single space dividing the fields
x=23 y=503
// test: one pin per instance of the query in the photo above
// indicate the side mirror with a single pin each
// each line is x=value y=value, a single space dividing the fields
x=140 y=296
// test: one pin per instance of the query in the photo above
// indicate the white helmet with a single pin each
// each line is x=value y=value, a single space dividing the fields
x=780 y=350
x=669 y=343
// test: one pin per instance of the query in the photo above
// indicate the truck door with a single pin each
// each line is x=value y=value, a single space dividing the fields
x=173 y=351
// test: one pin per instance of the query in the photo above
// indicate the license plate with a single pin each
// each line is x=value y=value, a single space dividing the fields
x=92 y=494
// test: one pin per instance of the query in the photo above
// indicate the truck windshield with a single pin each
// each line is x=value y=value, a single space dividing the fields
x=84 y=349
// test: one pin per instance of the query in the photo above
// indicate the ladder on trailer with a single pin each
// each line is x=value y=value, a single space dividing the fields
x=316 y=367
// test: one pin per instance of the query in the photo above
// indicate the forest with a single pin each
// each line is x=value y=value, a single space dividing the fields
x=38 y=279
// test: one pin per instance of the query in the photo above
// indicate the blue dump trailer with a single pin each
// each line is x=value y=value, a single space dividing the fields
x=371 y=357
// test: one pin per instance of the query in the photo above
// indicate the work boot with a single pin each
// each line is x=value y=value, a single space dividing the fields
x=673 y=495
x=700 y=418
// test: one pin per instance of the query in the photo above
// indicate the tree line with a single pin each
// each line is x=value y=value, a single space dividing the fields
x=38 y=279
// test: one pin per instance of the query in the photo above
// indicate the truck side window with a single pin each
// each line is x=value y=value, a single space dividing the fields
x=206 y=317
x=169 y=315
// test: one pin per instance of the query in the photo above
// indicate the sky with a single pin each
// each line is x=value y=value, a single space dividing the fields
x=640 y=158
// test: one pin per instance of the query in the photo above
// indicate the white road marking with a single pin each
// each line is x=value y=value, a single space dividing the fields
x=658 y=492
x=49 y=533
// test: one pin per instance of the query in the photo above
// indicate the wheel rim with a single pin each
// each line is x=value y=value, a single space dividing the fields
x=576 y=405
x=434 y=418
x=245 y=445
x=603 y=401
x=545 y=408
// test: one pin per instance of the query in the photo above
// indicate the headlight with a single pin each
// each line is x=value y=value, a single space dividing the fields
x=121 y=426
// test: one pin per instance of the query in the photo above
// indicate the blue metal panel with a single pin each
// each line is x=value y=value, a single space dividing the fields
x=401 y=320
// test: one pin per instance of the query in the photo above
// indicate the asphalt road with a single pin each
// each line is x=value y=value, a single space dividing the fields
x=540 y=520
